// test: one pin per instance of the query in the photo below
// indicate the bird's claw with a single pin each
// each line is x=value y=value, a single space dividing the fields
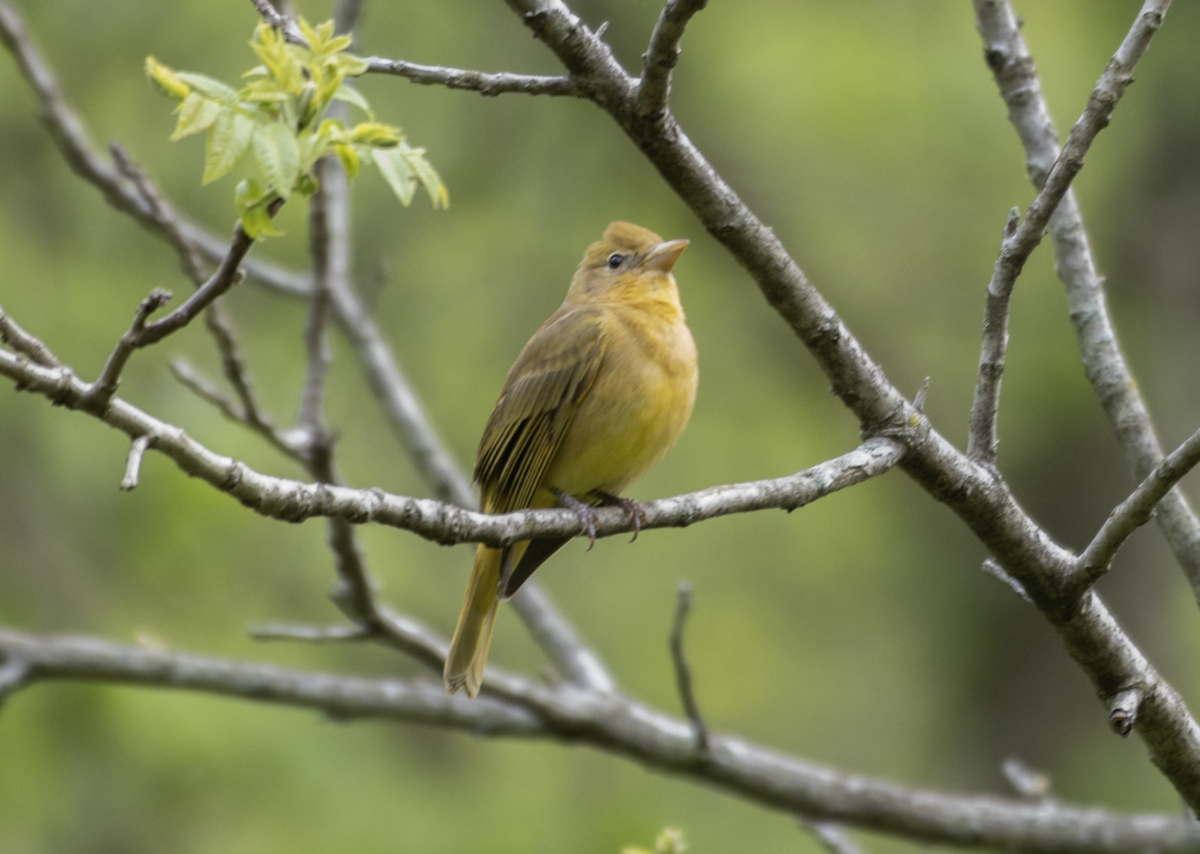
x=587 y=516
x=634 y=512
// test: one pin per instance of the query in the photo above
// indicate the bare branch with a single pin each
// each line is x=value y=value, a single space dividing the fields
x=106 y=384
x=294 y=501
x=617 y=725
x=142 y=334
x=328 y=227
x=482 y=82
x=573 y=660
x=31 y=346
x=137 y=450
x=1104 y=363
x=1136 y=510
x=659 y=60
x=1019 y=243
x=683 y=672
x=981 y=442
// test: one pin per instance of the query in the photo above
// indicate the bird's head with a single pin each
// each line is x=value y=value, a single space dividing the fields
x=629 y=262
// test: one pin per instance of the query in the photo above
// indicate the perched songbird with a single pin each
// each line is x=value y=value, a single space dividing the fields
x=601 y=391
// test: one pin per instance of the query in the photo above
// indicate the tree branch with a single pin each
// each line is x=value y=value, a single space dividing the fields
x=28 y=345
x=489 y=85
x=1104 y=363
x=617 y=725
x=683 y=671
x=659 y=60
x=1136 y=510
x=981 y=440
x=1019 y=243
x=143 y=334
x=295 y=501
x=974 y=492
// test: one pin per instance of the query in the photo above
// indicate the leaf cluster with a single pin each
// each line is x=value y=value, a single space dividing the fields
x=280 y=115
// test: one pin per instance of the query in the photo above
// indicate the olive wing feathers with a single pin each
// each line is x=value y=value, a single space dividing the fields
x=541 y=394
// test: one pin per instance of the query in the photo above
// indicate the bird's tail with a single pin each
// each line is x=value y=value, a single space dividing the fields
x=469 y=649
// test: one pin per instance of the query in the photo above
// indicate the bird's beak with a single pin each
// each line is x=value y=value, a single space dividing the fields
x=663 y=256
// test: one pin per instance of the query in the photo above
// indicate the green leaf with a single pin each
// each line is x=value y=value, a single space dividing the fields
x=354 y=98
x=397 y=172
x=252 y=202
x=196 y=113
x=376 y=134
x=349 y=158
x=351 y=65
x=166 y=79
x=278 y=155
x=209 y=86
x=228 y=138
x=427 y=175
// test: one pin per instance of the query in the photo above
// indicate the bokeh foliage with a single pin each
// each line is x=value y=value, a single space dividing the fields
x=858 y=632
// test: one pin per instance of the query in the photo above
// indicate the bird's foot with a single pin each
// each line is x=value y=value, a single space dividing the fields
x=634 y=512
x=587 y=516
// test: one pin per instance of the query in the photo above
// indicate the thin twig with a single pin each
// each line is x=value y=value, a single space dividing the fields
x=469 y=80
x=1136 y=510
x=328 y=244
x=142 y=334
x=1104 y=363
x=286 y=443
x=654 y=90
x=982 y=440
x=31 y=346
x=133 y=464
x=683 y=671
x=106 y=384
x=996 y=571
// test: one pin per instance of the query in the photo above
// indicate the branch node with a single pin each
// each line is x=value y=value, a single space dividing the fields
x=919 y=398
x=1123 y=711
x=683 y=672
x=1026 y=780
x=996 y=571
x=133 y=464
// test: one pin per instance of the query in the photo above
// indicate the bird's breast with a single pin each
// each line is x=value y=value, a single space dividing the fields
x=637 y=407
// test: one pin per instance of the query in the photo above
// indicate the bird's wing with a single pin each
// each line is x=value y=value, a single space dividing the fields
x=540 y=396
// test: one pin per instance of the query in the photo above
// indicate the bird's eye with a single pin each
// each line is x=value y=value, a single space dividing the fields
x=615 y=260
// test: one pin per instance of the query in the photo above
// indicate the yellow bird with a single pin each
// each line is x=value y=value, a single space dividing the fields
x=598 y=395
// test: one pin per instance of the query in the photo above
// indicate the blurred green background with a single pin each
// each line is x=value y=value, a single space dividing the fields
x=858 y=632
